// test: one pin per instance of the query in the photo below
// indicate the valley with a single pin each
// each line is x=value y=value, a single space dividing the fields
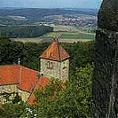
x=69 y=25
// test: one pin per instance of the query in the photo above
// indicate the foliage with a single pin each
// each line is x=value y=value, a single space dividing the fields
x=25 y=31
x=84 y=77
x=80 y=53
x=69 y=100
x=10 y=51
x=29 y=53
x=72 y=100
x=11 y=110
x=13 y=106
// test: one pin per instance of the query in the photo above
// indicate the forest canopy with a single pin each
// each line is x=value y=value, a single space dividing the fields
x=73 y=101
x=24 y=31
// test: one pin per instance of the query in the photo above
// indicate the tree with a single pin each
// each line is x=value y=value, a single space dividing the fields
x=25 y=31
x=69 y=100
x=13 y=107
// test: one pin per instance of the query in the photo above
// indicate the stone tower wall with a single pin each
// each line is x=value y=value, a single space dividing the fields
x=65 y=69
x=54 y=69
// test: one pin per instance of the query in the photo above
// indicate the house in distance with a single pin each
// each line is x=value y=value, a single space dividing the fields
x=54 y=63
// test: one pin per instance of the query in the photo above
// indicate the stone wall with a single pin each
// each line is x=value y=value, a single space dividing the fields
x=50 y=68
x=24 y=95
x=54 y=69
x=65 y=69
x=7 y=89
x=13 y=89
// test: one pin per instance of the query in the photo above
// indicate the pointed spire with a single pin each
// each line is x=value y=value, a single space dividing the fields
x=55 y=52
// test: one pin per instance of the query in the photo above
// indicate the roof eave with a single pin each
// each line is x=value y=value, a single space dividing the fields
x=55 y=59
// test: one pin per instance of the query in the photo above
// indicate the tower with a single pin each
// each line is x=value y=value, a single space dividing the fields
x=54 y=62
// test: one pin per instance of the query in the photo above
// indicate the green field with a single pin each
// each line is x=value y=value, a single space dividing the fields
x=63 y=33
x=71 y=35
x=68 y=37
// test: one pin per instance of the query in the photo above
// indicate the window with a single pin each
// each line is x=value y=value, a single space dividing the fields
x=49 y=65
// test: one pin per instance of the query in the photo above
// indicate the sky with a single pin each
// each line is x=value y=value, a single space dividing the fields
x=51 y=3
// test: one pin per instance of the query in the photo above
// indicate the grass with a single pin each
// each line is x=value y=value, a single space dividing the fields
x=64 y=28
x=64 y=33
x=68 y=37
x=71 y=35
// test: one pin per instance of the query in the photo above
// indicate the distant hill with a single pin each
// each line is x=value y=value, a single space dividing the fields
x=84 y=10
x=27 y=22
x=38 y=14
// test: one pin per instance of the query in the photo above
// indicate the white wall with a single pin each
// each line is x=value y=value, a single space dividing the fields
x=23 y=94
x=13 y=88
x=8 y=88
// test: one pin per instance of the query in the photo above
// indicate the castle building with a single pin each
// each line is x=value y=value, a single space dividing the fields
x=17 y=78
x=54 y=63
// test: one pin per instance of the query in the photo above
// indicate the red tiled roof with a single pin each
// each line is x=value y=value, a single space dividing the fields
x=15 y=74
x=55 y=52
x=41 y=83
x=8 y=75
x=28 y=79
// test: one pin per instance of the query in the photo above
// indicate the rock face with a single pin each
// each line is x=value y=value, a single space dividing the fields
x=108 y=15
x=105 y=82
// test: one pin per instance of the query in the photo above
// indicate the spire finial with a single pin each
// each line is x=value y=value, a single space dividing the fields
x=19 y=61
x=57 y=37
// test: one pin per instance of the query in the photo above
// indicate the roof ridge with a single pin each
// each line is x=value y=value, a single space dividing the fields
x=17 y=65
x=9 y=65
